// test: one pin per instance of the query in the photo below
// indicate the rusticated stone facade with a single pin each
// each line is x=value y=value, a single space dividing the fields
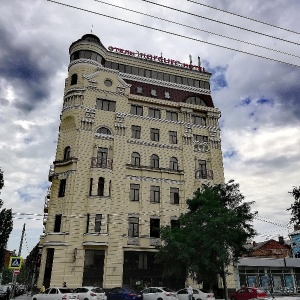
x=137 y=138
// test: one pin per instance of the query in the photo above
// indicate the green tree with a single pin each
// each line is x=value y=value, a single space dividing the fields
x=6 y=225
x=209 y=236
x=295 y=207
x=7 y=275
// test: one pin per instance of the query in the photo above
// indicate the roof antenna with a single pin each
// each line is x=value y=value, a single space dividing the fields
x=92 y=29
x=191 y=62
x=199 y=62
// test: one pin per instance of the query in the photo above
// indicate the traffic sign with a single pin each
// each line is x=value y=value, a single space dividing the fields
x=16 y=272
x=15 y=262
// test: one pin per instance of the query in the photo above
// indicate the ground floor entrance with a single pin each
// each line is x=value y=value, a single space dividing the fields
x=93 y=268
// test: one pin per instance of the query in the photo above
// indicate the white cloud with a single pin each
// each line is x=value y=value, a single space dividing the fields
x=262 y=138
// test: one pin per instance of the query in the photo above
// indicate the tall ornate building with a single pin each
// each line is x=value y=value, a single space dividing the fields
x=139 y=134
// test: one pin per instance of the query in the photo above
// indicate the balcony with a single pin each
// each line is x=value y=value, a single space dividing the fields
x=46 y=206
x=101 y=163
x=51 y=173
x=65 y=162
x=45 y=219
x=204 y=174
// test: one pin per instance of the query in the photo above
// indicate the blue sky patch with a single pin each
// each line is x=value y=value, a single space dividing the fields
x=263 y=101
x=230 y=154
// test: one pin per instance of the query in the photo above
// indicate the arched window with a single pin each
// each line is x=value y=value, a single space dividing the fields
x=74 y=78
x=135 y=159
x=101 y=186
x=67 y=153
x=173 y=163
x=196 y=100
x=154 y=161
x=104 y=130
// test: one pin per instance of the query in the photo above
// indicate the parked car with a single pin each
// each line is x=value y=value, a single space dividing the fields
x=3 y=291
x=198 y=294
x=90 y=293
x=55 y=293
x=248 y=293
x=158 y=293
x=123 y=293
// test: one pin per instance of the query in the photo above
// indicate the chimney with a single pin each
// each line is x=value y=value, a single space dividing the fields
x=281 y=240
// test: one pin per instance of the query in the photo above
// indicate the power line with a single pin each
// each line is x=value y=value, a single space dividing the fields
x=244 y=17
x=220 y=22
x=174 y=34
x=195 y=28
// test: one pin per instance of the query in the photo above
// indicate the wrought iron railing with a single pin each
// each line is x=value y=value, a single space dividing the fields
x=204 y=174
x=101 y=163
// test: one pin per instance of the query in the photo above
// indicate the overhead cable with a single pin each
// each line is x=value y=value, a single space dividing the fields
x=174 y=34
x=195 y=28
x=220 y=22
x=244 y=17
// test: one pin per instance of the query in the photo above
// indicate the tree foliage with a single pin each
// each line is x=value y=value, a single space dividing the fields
x=295 y=207
x=6 y=225
x=210 y=235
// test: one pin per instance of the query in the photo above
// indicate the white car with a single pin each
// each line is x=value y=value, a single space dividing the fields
x=90 y=293
x=198 y=294
x=158 y=293
x=55 y=293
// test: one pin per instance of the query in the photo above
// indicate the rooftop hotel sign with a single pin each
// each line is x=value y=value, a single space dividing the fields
x=160 y=59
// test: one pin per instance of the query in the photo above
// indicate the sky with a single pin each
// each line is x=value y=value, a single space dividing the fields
x=258 y=97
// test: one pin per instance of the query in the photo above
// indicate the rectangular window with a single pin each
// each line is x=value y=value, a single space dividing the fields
x=148 y=73
x=114 y=66
x=202 y=171
x=154 y=228
x=166 y=77
x=98 y=219
x=172 y=137
x=57 y=223
x=154 y=74
x=200 y=138
x=91 y=187
x=136 y=110
x=134 y=192
x=128 y=69
x=122 y=68
x=107 y=105
x=174 y=195
x=154 y=134
x=141 y=72
x=155 y=194
x=175 y=224
x=199 y=120
x=87 y=223
x=133 y=227
x=136 y=132
x=154 y=113
x=172 y=115
x=172 y=78
x=102 y=159
x=62 y=188
x=160 y=76
x=135 y=71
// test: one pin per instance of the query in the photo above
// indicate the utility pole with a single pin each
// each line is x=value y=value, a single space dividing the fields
x=19 y=254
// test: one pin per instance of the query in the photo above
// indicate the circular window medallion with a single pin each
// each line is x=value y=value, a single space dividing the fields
x=108 y=82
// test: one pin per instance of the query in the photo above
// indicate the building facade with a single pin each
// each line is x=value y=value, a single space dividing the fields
x=138 y=136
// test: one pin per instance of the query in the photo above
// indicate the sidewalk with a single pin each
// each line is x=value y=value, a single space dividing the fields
x=23 y=297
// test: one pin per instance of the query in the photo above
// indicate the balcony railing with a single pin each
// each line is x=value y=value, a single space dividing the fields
x=101 y=163
x=204 y=174
x=51 y=173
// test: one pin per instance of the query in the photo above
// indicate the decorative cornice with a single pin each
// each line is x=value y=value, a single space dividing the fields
x=103 y=136
x=49 y=244
x=153 y=144
x=162 y=83
x=95 y=244
x=151 y=179
x=59 y=175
